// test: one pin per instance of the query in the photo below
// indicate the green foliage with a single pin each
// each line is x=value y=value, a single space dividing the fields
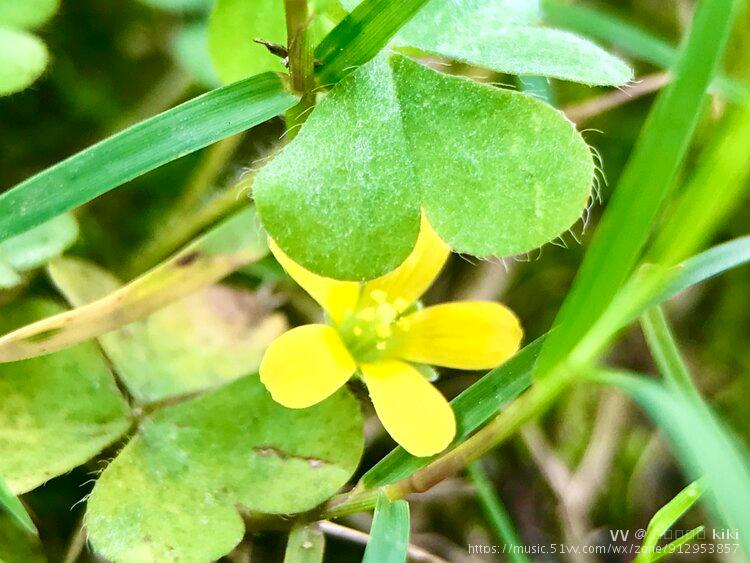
x=197 y=462
x=646 y=181
x=17 y=545
x=180 y=6
x=306 y=544
x=390 y=135
x=23 y=58
x=57 y=411
x=205 y=340
x=389 y=536
x=232 y=244
x=12 y=509
x=28 y=14
x=33 y=249
x=665 y=518
x=190 y=49
x=143 y=147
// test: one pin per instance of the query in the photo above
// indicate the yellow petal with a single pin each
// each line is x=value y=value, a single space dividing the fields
x=305 y=365
x=462 y=335
x=404 y=285
x=338 y=298
x=413 y=412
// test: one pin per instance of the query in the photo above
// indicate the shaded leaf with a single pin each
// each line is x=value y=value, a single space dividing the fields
x=27 y=14
x=389 y=536
x=209 y=338
x=234 y=243
x=197 y=463
x=35 y=248
x=184 y=129
x=180 y=5
x=18 y=545
x=56 y=412
x=23 y=58
x=497 y=172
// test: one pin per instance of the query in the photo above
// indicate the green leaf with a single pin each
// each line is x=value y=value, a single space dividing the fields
x=389 y=535
x=343 y=198
x=207 y=339
x=190 y=49
x=361 y=35
x=34 y=248
x=628 y=38
x=180 y=6
x=233 y=26
x=306 y=544
x=645 y=182
x=143 y=147
x=27 y=14
x=674 y=545
x=174 y=492
x=17 y=545
x=56 y=412
x=502 y=36
x=14 y=508
x=23 y=58
x=665 y=518
x=232 y=244
x=502 y=525
x=702 y=444
x=473 y=408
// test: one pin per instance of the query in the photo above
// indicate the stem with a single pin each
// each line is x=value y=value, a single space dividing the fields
x=496 y=513
x=301 y=63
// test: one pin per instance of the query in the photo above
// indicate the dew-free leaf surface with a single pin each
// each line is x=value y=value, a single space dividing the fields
x=211 y=337
x=23 y=58
x=389 y=535
x=35 y=248
x=497 y=172
x=18 y=545
x=56 y=412
x=174 y=492
x=28 y=14
x=11 y=507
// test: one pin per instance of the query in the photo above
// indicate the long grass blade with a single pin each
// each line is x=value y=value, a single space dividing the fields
x=645 y=183
x=141 y=148
x=10 y=502
x=702 y=444
x=389 y=535
x=361 y=35
x=232 y=244
x=502 y=525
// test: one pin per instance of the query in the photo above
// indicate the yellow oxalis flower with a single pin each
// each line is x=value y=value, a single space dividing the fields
x=376 y=328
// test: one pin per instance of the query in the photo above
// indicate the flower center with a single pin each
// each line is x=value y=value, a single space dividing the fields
x=369 y=331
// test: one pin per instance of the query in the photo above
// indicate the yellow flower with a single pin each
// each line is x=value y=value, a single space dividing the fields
x=378 y=328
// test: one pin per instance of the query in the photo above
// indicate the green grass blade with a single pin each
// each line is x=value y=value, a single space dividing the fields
x=361 y=35
x=474 y=407
x=673 y=546
x=501 y=522
x=702 y=445
x=665 y=518
x=666 y=353
x=389 y=535
x=631 y=39
x=232 y=244
x=645 y=182
x=10 y=502
x=141 y=148
x=306 y=544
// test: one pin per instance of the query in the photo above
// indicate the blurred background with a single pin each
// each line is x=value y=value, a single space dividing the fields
x=593 y=464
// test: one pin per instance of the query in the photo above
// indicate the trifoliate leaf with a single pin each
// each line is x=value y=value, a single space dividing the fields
x=27 y=14
x=23 y=58
x=34 y=248
x=56 y=411
x=212 y=337
x=173 y=494
x=498 y=172
x=342 y=198
x=504 y=36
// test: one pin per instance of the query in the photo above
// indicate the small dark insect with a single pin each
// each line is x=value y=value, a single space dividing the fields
x=188 y=259
x=275 y=49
